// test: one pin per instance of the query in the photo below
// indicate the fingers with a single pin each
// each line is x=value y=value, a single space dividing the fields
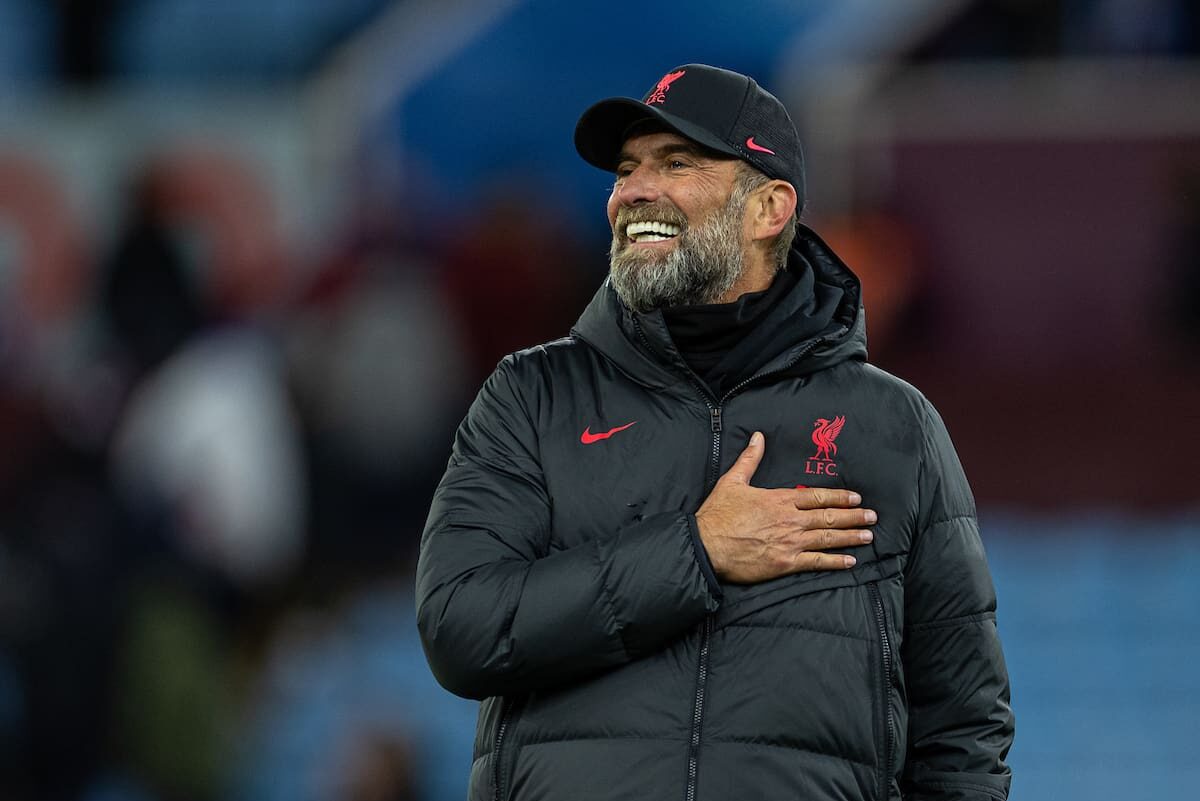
x=743 y=469
x=822 y=539
x=810 y=544
x=814 y=560
x=837 y=518
x=821 y=497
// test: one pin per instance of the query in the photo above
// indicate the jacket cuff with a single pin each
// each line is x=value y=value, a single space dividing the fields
x=714 y=586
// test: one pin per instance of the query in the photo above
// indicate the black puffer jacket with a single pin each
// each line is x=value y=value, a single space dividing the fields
x=561 y=580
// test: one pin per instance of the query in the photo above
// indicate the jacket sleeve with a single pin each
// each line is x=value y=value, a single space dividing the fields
x=960 y=723
x=500 y=611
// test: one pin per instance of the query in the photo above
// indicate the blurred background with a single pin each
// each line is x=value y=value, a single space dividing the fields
x=255 y=259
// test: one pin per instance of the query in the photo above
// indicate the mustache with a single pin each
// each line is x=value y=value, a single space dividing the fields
x=664 y=213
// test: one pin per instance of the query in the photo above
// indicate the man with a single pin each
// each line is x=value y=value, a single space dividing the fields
x=699 y=549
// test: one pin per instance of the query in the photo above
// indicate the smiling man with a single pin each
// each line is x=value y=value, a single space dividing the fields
x=700 y=549
x=680 y=233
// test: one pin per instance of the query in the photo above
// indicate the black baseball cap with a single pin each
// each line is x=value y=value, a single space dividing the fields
x=723 y=110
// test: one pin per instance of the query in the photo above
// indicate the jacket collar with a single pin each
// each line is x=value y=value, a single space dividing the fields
x=640 y=344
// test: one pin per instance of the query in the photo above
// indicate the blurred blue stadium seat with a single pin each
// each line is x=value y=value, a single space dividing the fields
x=26 y=36
x=1102 y=635
x=181 y=41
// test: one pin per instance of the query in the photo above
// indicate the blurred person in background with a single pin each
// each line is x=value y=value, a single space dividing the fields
x=203 y=466
x=648 y=607
x=378 y=368
x=206 y=445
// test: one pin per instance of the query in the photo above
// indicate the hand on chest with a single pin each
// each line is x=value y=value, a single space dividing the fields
x=615 y=464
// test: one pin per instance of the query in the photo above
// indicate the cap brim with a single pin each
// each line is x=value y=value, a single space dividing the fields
x=603 y=128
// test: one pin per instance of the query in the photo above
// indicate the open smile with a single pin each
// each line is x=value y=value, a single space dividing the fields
x=651 y=232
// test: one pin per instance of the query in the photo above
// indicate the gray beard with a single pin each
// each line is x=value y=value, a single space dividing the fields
x=704 y=264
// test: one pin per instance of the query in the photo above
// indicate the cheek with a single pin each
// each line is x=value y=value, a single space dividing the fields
x=613 y=205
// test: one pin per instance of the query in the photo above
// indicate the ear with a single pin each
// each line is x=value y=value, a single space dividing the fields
x=772 y=206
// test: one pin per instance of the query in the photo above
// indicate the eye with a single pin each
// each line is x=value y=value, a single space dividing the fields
x=676 y=164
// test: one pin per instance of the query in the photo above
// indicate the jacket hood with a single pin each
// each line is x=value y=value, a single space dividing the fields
x=641 y=346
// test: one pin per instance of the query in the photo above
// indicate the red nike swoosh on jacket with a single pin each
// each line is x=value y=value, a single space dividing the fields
x=587 y=437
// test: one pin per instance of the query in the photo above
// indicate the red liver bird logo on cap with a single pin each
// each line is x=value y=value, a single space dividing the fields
x=824 y=434
x=659 y=95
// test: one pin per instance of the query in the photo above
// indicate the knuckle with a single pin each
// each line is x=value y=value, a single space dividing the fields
x=830 y=518
x=820 y=496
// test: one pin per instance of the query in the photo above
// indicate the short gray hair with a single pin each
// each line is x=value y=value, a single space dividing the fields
x=748 y=179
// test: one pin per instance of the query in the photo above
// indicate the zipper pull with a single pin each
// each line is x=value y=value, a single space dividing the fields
x=715 y=416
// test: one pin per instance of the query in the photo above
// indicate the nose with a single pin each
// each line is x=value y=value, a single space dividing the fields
x=639 y=186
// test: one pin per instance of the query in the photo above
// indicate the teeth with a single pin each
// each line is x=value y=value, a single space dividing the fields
x=637 y=231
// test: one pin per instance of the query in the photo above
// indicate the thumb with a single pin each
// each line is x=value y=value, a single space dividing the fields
x=743 y=469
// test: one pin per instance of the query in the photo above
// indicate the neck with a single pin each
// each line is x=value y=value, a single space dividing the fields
x=757 y=274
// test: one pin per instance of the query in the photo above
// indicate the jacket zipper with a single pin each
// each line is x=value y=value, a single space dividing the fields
x=498 y=776
x=698 y=712
x=693 y=766
x=715 y=426
x=885 y=658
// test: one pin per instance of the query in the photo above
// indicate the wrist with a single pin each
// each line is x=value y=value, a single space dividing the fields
x=703 y=557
